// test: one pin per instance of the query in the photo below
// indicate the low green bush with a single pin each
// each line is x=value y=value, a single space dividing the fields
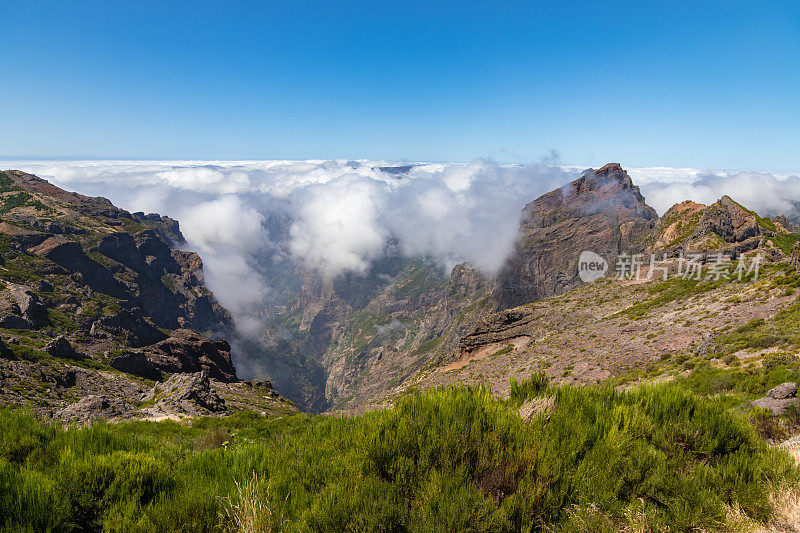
x=450 y=459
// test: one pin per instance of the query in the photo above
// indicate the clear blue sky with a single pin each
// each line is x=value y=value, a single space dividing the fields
x=710 y=84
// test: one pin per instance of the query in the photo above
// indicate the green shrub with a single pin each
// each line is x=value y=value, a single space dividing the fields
x=529 y=388
x=450 y=459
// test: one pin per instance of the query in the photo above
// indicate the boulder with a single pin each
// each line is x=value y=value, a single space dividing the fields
x=778 y=400
x=94 y=407
x=188 y=351
x=21 y=308
x=61 y=347
x=136 y=363
x=783 y=391
x=5 y=351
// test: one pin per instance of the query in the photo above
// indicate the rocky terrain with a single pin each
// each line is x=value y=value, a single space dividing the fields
x=406 y=322
x=629 y=331
x=100 y=302
x=98 y=306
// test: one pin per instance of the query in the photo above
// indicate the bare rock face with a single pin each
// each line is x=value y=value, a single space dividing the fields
x=94 y=407
x=779 y=399
x=724 y=226
x=185 y=394
x=21 y=308
x=188 y=351
x=782 y=221
x=465 y=279
x=136 y=331
x=795 y=257
x=602 y=211
x=783 y=391
x=135 y=363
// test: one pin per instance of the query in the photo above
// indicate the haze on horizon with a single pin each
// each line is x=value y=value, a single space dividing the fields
x=706 y=85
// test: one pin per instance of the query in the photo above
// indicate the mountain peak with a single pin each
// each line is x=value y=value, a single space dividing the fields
x=602 y=211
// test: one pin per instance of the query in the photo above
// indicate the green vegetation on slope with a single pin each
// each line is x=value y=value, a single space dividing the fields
x=786 y=242
x=667 y=291
x=446 y=460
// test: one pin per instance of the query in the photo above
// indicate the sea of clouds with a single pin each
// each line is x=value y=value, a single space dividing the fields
x=341 y=212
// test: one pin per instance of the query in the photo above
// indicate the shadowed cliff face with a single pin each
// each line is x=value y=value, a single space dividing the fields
x=96 y=304
x=601 y=211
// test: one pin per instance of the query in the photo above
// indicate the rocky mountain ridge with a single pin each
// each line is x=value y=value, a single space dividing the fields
x=96 y=301
x=111 y=284
x=602 y=211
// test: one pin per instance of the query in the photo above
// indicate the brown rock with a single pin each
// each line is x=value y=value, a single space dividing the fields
x=187 y=351
x=783 y=391
x=61 y=347
x=94 y=407
x=779 y=399
x=601 y=211
x=136 y=363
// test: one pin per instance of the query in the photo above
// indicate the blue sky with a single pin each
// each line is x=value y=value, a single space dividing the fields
x=704 y=84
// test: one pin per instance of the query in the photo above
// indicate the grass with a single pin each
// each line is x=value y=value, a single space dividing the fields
x=782 y=330
x=786 y=242
x=667 y=291
x=504 y=350
x=7 y=184
x=451 y=459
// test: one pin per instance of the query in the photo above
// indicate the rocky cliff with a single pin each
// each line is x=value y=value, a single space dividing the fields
x=724 y=226
x=340 y=343
x=98 y=302
x=601 y=211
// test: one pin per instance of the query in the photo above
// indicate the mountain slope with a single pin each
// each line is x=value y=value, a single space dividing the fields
x=96 y=304
x=339 y=343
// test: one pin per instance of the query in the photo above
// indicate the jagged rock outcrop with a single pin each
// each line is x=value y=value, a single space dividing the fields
x=185 y=394
x=61 y=347
x=95 y=407
x=783 y=222
x=723 y=227
x=135 y=362
x=187 y=351
x=602 y=211
x=21 y=307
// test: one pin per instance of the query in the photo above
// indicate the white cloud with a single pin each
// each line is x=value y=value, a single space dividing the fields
x=342 y=212
x=766 y=193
